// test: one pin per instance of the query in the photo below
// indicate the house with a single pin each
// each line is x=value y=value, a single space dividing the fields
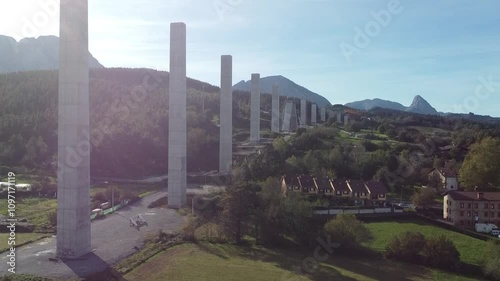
x=358 y=190
x=465 y=209
x=324 y=186
x=307 y=184
x=290 y=183
x=377 y=190
x=448 y=177
x=340 y=188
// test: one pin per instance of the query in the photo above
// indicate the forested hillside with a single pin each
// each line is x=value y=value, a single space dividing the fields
x=129 y=121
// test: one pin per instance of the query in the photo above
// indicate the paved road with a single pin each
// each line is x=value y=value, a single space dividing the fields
x=112 y=240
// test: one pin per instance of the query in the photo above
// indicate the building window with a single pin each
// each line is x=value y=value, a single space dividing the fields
x=468 y=214
x=485 y=214
x=475 y=205
x=339 y=192
x=461 y=205
x=311 y=189
x=381 y=195
x=475 y=214
x=461 y=213
x=492 y=214
x=346 y=192
x=468 y=222
x=486 y=205
x=469 y=205
x=492 y=206
x=461 y=222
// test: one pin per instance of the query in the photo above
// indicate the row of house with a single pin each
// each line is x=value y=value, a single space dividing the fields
x=356 y=189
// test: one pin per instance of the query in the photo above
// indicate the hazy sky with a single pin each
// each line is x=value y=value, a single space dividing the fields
x=446 y=51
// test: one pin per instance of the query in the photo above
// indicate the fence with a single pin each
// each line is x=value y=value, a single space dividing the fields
x=358 y=211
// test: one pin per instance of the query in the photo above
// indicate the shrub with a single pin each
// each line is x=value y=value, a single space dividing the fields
x=406 y=247
x=440 y=252
x=52 y=217
x=349 y=232
x=491 y=265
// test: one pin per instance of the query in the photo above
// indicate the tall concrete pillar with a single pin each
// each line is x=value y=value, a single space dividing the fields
x=255 y=109
x=346 y=120
x=226 y=115
x=177 y=133
x=289 y=117
x=73 y=144
x=339 y=118
x=314 y=113
x=323 y=114
x=275 y=110
x=303 y=113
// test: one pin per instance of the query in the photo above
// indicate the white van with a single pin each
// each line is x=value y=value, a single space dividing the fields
x=495 y=231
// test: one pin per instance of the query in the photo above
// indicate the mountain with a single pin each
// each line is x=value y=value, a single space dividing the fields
x=369 y=104
x=287 y=88
x=28 y=54
x=419 y=105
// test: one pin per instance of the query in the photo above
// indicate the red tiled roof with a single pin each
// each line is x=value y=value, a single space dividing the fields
x=357 y=185
x=340 y=185
x=291 y=180
x=306 y=181
x=322 y=182
x=473 y=195
x=376 y=187
x=447 y=172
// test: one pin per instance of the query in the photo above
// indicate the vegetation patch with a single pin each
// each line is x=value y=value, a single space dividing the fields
x=471 y=249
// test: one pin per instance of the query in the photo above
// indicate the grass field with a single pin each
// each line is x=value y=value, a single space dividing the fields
x=140 y=190
x=21 y=239
x=471 y=249
x=228 y=262
x=35 y=210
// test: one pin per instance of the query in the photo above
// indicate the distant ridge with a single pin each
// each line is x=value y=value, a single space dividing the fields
x=419 y=105
x=287 y=88
x=30 y=54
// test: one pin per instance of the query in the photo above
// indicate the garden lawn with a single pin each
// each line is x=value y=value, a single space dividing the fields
x=471 y=249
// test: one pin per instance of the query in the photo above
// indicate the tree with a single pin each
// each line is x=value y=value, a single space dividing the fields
x=406 y=246
x=435 y=181
x=424 y=198
x=238 y=206
x=481 y=167
x=347 y=231
x=440 y=252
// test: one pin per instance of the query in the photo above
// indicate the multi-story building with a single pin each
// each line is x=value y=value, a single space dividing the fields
x=465 y=209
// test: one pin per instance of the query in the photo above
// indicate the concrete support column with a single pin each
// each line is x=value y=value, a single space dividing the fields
x=303 y=113
x=346 y=120
x=323 y=114
x=73 y=158
x=314 y=113
x=226 y=115
x=177 y=133
x=275 y=110
x=339 y=118
x=255 y=109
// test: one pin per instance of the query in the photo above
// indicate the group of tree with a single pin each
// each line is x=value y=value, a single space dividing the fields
x=435 y=251
x=260 y=210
